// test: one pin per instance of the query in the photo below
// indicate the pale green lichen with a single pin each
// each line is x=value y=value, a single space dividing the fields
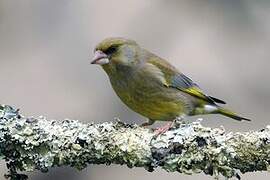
x=31 y=143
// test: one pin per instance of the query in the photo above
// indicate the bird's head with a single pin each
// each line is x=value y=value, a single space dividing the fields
x=113 y=52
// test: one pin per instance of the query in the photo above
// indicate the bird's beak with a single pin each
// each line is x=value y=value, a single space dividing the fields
x=100 y=58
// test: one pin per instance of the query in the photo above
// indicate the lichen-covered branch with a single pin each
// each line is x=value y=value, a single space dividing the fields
x=28 y=144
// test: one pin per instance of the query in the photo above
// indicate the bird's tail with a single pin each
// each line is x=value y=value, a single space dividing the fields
x=230 y=114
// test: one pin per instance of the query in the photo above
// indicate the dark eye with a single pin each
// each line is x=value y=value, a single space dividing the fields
x=110 y=50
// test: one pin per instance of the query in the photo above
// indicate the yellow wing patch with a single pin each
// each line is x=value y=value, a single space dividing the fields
x=195 y=91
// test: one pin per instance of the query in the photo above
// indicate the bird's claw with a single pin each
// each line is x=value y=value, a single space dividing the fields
x=162 y=130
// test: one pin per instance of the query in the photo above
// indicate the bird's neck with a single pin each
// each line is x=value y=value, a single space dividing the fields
x=119 y=74
x=117 y=70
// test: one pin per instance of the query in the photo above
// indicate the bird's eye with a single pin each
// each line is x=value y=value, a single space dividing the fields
x=110 y=50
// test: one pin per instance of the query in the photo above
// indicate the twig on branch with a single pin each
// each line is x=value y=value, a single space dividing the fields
x=28 y=144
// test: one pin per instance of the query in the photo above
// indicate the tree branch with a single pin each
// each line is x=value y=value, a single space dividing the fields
x=29 y=144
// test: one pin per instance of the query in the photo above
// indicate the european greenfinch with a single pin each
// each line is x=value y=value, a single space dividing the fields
x=151 y=86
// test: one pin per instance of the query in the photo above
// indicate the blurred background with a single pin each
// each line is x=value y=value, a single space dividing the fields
x=46 y=48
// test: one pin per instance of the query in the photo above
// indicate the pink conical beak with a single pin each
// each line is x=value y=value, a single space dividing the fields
x=100 y=58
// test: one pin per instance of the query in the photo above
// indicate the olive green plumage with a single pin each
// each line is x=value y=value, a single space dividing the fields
x=151 y=86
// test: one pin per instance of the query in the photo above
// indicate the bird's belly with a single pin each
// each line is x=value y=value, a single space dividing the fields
x=155 y=103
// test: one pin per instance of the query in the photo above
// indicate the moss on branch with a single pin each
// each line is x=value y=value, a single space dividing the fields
x=28 y=144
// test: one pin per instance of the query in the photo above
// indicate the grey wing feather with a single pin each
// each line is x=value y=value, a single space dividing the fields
x=183 y=82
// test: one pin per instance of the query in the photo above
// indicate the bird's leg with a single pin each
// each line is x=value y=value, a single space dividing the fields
x=164 y=129
x=148 y=123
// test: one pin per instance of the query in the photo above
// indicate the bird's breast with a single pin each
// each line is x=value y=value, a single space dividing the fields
x=150 y=98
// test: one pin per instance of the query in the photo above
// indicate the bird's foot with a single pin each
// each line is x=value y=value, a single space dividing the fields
x=163 y=129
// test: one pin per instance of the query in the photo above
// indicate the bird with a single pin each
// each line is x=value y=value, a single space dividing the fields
x=151 y=86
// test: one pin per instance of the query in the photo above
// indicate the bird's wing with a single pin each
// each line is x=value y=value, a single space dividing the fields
x=176 y=79
x=183 y=83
